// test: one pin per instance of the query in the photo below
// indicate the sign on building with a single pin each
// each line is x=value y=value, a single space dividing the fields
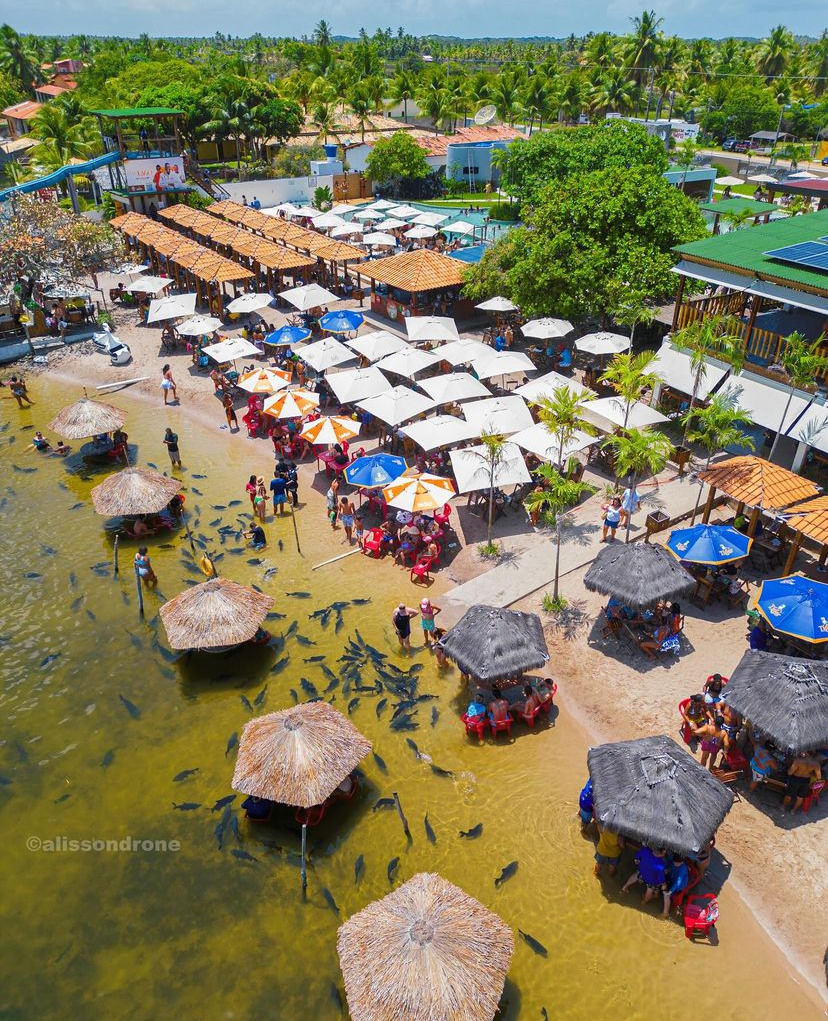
x=156 y=175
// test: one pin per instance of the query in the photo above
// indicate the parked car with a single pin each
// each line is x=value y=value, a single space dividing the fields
x=108 y=343
x=825 y=161
x=729 y=143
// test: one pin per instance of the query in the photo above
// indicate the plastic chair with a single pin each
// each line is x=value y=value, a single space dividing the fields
x=442 y=517
x=565 y=359
x=701 y=912
x=421 y=568
x=372 y=543
x=529 y=718
x=311 y=816
x=496 y=726
x=678 y=899
x=813 y=794
x=736 y=760
x=686 y=732
x=475 y=724
x=376 y=500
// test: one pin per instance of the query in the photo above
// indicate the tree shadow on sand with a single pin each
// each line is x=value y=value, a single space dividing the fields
x=572 y=622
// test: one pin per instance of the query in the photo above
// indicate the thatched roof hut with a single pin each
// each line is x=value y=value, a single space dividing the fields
x=87 y=418
x=215 y=613
x=426 y=952
x=783 y=696
x=134 y=491
x=654 y=792
x=298 y=756
x=637 y=573
x=492 y=644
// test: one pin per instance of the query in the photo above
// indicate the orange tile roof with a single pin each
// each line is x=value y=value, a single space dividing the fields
x=23 y=111
x=51 y=90
x=420 y=270
x=811 y=518
x=758 y=483
x=437 y=145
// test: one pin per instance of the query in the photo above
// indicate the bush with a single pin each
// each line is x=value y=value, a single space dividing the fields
x=489 y=550
x=322 y=198
x=550 y=604
x=503 y=211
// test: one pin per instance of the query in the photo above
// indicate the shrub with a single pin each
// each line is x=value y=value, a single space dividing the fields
x=503 y=211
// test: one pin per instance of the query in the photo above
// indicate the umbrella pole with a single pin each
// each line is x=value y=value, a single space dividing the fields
x=304 y=848
x=187 y=529
x=115 y=556
x=140 y=592
x=295 y=529
x=401 y=814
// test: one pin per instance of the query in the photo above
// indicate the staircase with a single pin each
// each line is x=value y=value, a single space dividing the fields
x=212 y=188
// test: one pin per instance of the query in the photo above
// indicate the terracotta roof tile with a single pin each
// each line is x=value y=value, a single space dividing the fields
x=420 y=270
x=437 y=145
x=758 y=483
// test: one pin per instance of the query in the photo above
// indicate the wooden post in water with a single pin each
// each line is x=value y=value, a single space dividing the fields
x=401 y=814
x=295 y=529
x=140 y=591
x=304 y=848
x=187 y=530
x=115 y=554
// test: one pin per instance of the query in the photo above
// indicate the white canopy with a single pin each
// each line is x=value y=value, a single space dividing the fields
x=390 y=224
x=149 y=285
x=408 y=361
x=323 y=354
x=763 y=401
x=383 y=204
x=171 y=307
x=454 y=386
x=346 y=230
x=420 y=231
x=537 y=439
x=762 y=179
x=231 y=349
x=129 y=269
x=545 y=386
x=351 y=385
x=497 y=304
x=380 y=238
x=607 y=413
x=471 y=470
x=674 y=367
x=403 y=212
x=396 y=405
x=729 y=180
x=324 y=221
x=308 y=296
x=429 y=219
x=462 y=351
x=458 y=227
x=440 y=431
x=376 y=345
x=288 y=208
x=603 y=343
x=250 y=302
x=198 y=326
x=812 y=428
x=369 y=214
x=545 y=329
x=431 y=328
x=503 y=363
x=499 y=415
x=305 y=211
x=339 y=208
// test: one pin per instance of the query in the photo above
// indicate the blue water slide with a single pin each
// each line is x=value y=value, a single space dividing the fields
x=58 y=176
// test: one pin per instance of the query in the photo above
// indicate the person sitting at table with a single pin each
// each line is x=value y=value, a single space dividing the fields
x=650 y=646
x=340 y=458
x=762 y=763
x=674 y=619
x=758 y=636
x=139 y=529
x=694 y=714
x=530 y=706
x=803 y=770
x=476 y=708
x=257 y=809
x=498 y=708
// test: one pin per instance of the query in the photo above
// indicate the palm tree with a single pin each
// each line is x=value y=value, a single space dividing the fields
x=634 y=312
x=505 y=96
x=537 y=100
x=719 y=425
x=637 y=452
x=360 y=105
x=641 y=47
x=614 y=92
x=230 y=121
x=60 y=139
x=401 y=89
x=435 y=103
x=799 y=363
x=490 y=459
x=17 y=60
x=630 y=375
x=558 y=493
x=324 y=117
x=818 y=65
x=774 y=53
x=322 y=34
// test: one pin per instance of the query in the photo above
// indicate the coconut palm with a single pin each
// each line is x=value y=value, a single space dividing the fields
x=435 y=102
x=614 y=91
x=630 y=375
x=60 y=139
x=536 y=100
x=401 y=88
x=642 y=45
x=719 y=425
x=555 y=497
x=818 y=65
x=774 y=53
x=360 y=104
x=17 y=59
x=230 y=121
x=798 y=364
x=322 y=34
x=490 y=459
x=324 y=118
x=505 y=96
x=703 y=338
x=638 y=452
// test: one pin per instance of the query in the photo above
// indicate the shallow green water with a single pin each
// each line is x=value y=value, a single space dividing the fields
x=199 y=932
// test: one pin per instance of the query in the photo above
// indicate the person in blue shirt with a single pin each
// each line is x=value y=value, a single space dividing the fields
x=278 y=490
x=585 y=805
x=651 y=872
x=678 y=879
x=477 y=706
x=255 y=204
x=758 y=637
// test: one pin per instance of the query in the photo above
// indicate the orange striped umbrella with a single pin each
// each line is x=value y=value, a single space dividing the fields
x=264 y=381
x=421 y=492
x=330 y=430
x=291 y=404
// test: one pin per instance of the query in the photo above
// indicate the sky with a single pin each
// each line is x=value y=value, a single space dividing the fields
x=686 y=18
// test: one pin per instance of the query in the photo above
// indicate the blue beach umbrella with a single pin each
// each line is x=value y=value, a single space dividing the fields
x=343 y=321
x=709 y=544
x=375 y=470
x=287 y=336
x=795 y=606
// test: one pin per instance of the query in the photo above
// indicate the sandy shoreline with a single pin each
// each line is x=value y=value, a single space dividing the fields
x=780 y=873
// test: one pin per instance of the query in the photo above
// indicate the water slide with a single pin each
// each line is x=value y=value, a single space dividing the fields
x=59 y=176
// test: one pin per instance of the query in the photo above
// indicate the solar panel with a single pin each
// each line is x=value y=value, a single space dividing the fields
x=816 y=261
x=798 y=253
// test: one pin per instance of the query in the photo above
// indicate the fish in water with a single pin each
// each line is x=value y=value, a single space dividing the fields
x=413 y=746
x=49 y=659
x=33 y=575
x=48 y=550
x=109 y=758
x=187 y=806
x=5 y=781
x=254 y=561
x=73 y=579
x=234 y=503
x=439 y=771
x=308 y=688
x=302 y=640
x=221 y=826
x=23 y=471
x=544 y=1014
x=292 y=629
x=294 y=694
x=404 y=722
x=359 y=869
x=314 y=659
x=234 y=826
x=199 y=476
x=352 y=705
x=531 y=942
x=232 y=741
x=329 y=900
x=383 y=803
x=130 y=707
x=391 y=871
x=334 y=684
x=196 y=491
x=383 y=702
x=76 y=604
x=76 y=506
x=429 y=832
x=435 y=715
x=184 y=774
x=473 y=833
x=380 y=763
x=298 y=595
x=246 y=703
x=61 y=799
x=219 y=506
x=259 y=699
x=91 y=615
x=506 y=873
x=243 y=855
x=222 y=802
x=336 y=997
x=280 y=665
x=360 y=602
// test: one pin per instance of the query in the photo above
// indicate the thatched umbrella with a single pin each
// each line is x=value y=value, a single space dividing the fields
x=87 y=418
x=298 y=756
x=638 y=574
x=654 y=792
x=783 y=696
x=492 y=643
x=134 y=491
x=218 y=612
x=426 y=952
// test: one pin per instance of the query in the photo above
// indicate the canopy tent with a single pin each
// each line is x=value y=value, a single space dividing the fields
x=783 y=696
x=351 y=385
x=462 y=351
x=440 y=431
x=380 y=239
x=545 y=386
x=298 y=756
x=382 y=204
x=324 y=354
x=537 y=439
x=369 y=214
x=214 y=614
x=422 y=328
x=171 y=307
x=390 y=224
x=408 y=361
x=607 y=414
x=149 y=285
x=265 y=381
x=639 y=574
x=709 y=544
x=546 y=329
x=675 y=367
x=419 y=493
x=471 y=468
x=491 y=644
x=426 y=951
x=346 y=230
x=429 y=219
x=498 y=415
x=452 y=387
x=325 y=431
x=403 y=211
x=653 y=792
x=497 y=304
x=396 y=405
x=198 y=326
x=758 y=483
x=134 y=491
x=324 y=221
x=87 y=418
x=251 y=302
x=308 y=296
x=603 y=343
x=376 y=345
x=231 y=349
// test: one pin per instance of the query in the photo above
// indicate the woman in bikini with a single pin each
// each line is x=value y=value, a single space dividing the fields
x=713 y=740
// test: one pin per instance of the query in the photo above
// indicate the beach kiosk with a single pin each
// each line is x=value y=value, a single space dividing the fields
x=416 y=283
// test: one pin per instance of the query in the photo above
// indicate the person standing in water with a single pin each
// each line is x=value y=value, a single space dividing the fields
x=346 y=516
x=19 y=391
x=428 y=611
x=171 y=443
x=143 y=565
x=401 y=619
x=230 y=411
x=168 y=384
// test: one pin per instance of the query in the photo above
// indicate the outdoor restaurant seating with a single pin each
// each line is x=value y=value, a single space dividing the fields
x=701 y=912
x=422 y=567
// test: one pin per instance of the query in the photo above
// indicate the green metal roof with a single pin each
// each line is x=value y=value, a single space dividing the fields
x=139 y=111
x=743 y=250
x=739 y=204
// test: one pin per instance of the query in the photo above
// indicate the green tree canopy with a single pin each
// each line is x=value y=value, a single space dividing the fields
x=396 y=159
x=749 y=106
x=587 y=239
x=280 y=119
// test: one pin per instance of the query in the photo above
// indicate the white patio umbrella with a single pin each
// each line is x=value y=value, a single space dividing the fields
x=603 y=343
x=408 y=361
x=129 y=269
x=149 y=285
x=608 y=413
x=308 y=296
x=346 y=230
x=380 y=238
x=352 y=385
x=383 y=204
x=440 y=431
x=250 y=302
x=729 y=180
x=537 y=439
x=497 y=305
x=403 y=212
x=802 y=175
x=308 y=211
x=503 y=363
x=429 y=219
x=324 y=221
x=339 y=208
x=376 y=345
x=231 y=349
x=369 y=214
x=199 y=326
x=325 y=353
x=499 y=415
x=461 y=227
x=396 y=405
x=390 y=224
x=762 y=179
x=171 y=307
x=545 y=329
x=288 y=208
x=471 y=470
x=545 y=386
x=454 y=386
x=415 y=233
x=462 y=351
x=431 y=328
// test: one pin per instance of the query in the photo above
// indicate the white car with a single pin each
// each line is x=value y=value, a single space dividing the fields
x=108 y=343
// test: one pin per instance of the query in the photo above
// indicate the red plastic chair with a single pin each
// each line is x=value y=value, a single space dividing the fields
x=311 y=816
x=442 y=517
x=475 y=724
x=357 y=454
x=408 y=553
x=422 y=567
x=735 y=759
x=701 y=912
x=375 y=500
x=496 y=726
x=529 y=718
x=372 y=543
x=686 y=732
x=678 y=899
x=813 y=795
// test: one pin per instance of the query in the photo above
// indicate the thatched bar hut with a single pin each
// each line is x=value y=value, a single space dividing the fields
x=87 y=418
x=639 y=574
x=492 y=644
x=134 y=491
x=215 y=614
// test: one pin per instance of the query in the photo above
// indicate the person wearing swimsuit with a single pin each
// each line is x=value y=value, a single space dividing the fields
x=401 y=619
